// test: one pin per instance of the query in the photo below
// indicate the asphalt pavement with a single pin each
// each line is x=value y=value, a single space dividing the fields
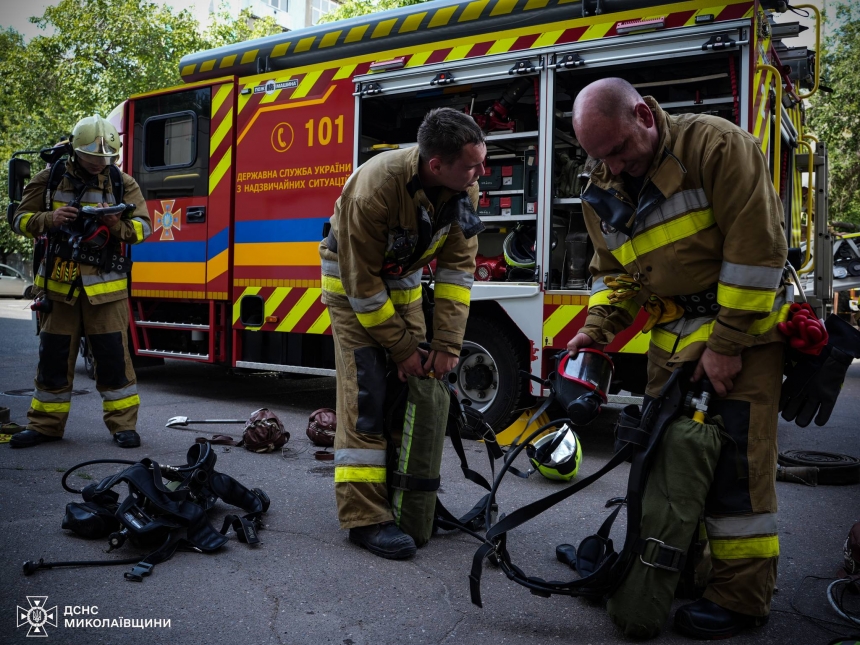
x=306 y=583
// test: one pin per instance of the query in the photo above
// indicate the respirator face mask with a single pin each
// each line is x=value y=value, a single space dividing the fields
x=582 y=382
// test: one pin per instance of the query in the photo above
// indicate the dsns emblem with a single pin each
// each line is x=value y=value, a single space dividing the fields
x=37 y=616
x=168 y=220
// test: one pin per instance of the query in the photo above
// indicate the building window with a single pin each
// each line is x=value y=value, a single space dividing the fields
x=321 y=7
x=169 y=141
x=283 y=5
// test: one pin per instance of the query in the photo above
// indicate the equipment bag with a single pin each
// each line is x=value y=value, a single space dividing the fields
x=672 y=503
x=413 y=477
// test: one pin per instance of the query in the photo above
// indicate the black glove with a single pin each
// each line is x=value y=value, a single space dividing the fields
x=814 y=383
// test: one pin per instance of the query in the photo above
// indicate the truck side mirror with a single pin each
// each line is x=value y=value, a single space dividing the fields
x=19 y=175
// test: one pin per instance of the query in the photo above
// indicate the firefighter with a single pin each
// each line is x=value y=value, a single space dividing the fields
x=87 y=296
x=397 y=212
x=682 y=207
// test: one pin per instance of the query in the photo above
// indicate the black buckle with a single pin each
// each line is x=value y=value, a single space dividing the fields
x=139 y=572
x=400 y=480
x=667 y=557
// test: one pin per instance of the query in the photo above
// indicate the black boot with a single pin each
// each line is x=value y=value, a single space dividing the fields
x=27 y=438
x=127 y=439
x=384 y=540
x=706 y=620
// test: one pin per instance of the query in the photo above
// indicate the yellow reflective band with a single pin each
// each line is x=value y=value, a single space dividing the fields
x=434 y=246
x=101 y=288
x=53 y=285
x=51 y=408
x=405 y=296
x=602 y=298
x=332 y=284
x=666 y=340
x=138 y=230
x=746 y=299
x=22 y=224
x=359 y=474
x=769 y=322
x=121 y=404
x=377 y=317
x=672 y=231
x=453 y=292
x=741 y=548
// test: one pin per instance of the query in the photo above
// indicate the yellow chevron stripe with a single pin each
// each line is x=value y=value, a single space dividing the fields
x=220 y=170
x=321 y=324
x=249 y=291
x=501 y=46
x=558 y=320
x=473 y=10
x=597 y=31
x=536 y=4
x=227 y=61
x=503 y=7
x=442 y=16
x=638 y=344
x=272 y=303
x=458 y=53
x=220 y=96
x=280 y=50
x=188 y=70
x=418 y=59
x=330 y=38
x=304 y=44
x=411 y=23
x=383 y=28
x=249 y=56
x=306 y=85
x=548 y=38
x=208 y=65
x=307 y=300
x=221 y=131
x=344 y=72
x=355 y=34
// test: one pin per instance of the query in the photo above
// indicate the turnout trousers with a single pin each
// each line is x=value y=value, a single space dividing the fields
x=740 y=511
x=360 y=446
x=105 y=327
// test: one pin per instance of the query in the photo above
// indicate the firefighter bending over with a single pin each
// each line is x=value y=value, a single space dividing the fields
x=399 y=211
x=683 y=206
x=83 y=281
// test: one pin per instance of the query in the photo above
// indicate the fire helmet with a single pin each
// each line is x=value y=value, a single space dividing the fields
x=557 y=455
x=519 y=247
x=95 y=140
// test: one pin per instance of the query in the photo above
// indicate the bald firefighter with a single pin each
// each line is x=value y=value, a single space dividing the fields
x=682 y=208
x=83 y=280
x=397 y=213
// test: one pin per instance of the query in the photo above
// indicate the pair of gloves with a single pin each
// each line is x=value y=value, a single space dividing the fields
x=660 y=310
x=814 y=382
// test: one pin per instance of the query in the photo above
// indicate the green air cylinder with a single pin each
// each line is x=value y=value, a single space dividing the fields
x=416 y=478
x=671 y=506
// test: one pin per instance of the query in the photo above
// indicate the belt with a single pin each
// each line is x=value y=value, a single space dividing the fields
x=696 y=305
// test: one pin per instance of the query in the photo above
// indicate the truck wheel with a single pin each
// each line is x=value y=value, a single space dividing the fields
x=487 y=376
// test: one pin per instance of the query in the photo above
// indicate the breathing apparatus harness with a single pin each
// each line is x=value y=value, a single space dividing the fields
x=600 y=567
x=169 y=516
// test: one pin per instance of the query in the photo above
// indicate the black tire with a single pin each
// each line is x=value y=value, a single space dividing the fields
x=488 y=374
x=89 y=361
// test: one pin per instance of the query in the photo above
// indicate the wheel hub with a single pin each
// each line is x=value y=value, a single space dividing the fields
x=476 y=376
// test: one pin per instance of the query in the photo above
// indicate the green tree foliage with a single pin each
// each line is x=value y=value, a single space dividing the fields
x=353 y=8
x=835 y=116
x=94 y=54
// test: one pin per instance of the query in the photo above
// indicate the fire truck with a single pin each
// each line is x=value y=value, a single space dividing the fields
x=241 y=166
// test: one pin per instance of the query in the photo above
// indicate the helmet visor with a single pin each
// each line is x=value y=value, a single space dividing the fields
x=589 y=367
x=99 y=146
x=96 y=160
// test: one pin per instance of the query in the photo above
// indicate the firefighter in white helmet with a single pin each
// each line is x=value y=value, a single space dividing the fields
x=82 y=281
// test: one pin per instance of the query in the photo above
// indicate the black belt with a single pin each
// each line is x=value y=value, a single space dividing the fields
x=699 y=304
